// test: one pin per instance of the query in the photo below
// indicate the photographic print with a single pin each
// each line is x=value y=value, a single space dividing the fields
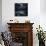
x=21 y=9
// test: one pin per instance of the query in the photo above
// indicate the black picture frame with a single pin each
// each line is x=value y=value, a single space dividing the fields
x=21 y=9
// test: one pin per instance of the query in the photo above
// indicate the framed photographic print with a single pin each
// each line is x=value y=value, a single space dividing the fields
x=21 y=9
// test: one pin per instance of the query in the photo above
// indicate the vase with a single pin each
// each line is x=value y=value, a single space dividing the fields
x=41 y=43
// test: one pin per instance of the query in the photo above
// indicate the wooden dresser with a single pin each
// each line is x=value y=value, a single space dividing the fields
x=22 y=33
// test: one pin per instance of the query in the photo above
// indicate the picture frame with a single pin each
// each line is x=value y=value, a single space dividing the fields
x=21 y=9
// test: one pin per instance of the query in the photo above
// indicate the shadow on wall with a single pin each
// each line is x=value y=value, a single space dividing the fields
x=43 y=6
x=0 y=15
